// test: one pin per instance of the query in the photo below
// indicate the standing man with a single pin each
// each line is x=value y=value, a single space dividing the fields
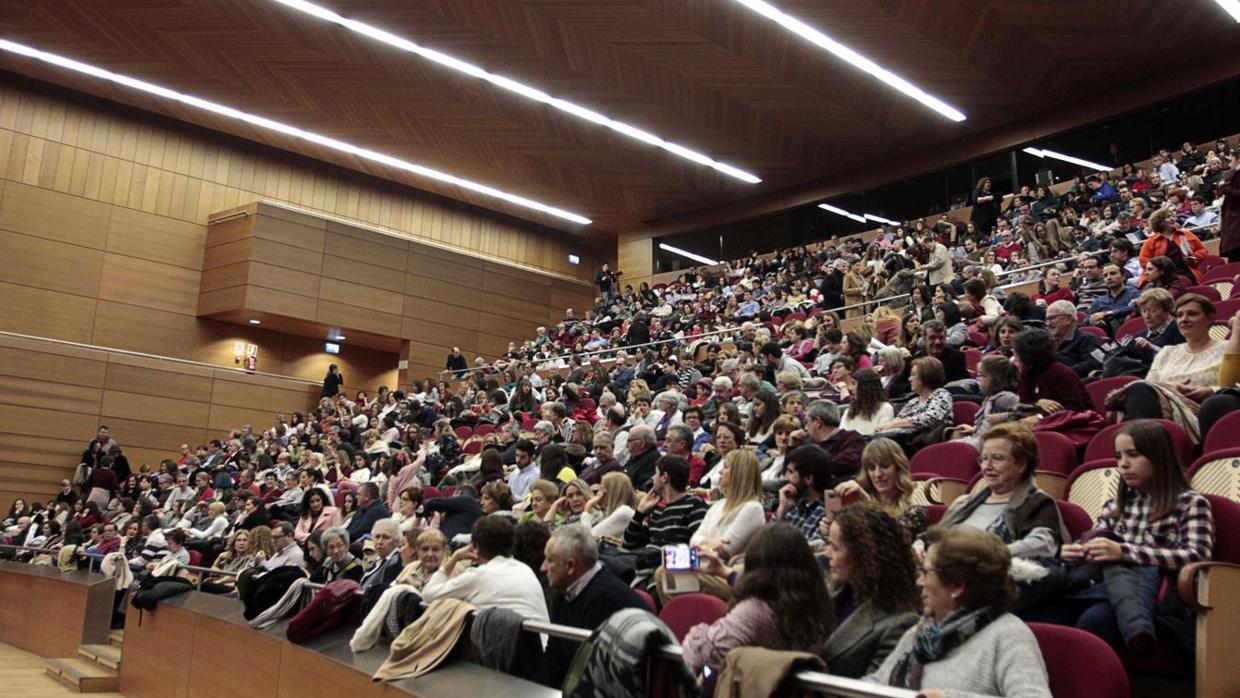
x=606 y=282
x=456 y=363
x=939 y=267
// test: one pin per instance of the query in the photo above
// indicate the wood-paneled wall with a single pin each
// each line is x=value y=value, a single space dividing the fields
x=271 y=263
x=53 y=397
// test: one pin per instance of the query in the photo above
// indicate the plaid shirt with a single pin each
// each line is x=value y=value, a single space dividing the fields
x=806 y=516
x=1185 y=535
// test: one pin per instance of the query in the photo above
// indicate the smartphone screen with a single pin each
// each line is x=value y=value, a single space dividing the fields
x=680 y=557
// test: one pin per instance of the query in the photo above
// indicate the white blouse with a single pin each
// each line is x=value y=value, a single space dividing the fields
x=1174 y=364
x=735 y=530
x=885 y=413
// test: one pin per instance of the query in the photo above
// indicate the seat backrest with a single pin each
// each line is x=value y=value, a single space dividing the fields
x=431 y=492
x=1099 y=389
x=1208 y=291
x=951 y=459
x=1130 y=327
x=1217 y=472
x=1056 y=452
x=687 y=610
x=972 y=357
x=464 y=432
x=1103 y=444
x=1091 y=485
x=648 y=599
x=1076 y=519
x=1223 y=272
x=935 y=513
x=1226 y=529
x=483 y=429
x=964 y=412
x=1079 y=664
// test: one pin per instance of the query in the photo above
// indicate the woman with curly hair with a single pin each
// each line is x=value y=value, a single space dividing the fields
x=780 y=601
x=873 y=586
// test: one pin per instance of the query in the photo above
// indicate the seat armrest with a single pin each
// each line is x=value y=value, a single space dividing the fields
x=945 y=490
x=1212 y=590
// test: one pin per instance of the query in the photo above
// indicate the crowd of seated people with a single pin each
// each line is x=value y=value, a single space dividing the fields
x=781 y=454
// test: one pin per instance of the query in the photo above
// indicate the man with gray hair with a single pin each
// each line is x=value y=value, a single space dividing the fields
x=749 y=386
x=643 y=453
x=721 y=392
x=1080 y=351
x=843 y=446
x=585 y=593
x=386 y=536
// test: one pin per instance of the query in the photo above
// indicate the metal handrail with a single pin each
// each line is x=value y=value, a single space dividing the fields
x=810 y=680
x=157 y=357
x=737 y=328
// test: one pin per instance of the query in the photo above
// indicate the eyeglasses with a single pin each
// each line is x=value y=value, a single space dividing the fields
x=996 y=458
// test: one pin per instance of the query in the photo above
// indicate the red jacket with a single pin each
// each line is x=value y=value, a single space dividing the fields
x=1157 y=246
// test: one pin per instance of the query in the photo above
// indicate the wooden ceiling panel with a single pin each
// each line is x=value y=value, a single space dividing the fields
x=707 y=74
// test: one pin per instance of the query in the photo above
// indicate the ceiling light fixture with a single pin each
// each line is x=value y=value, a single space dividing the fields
x=516 y=87
x=340 y=338
x=880 y=219
x=841 y=212
x=847 y=54
x=1038 y=152
x=687 y=254
x=262 y=122
x=1232 y=7
x=256 y=322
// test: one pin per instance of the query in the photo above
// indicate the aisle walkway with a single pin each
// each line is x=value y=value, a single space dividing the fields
x=22 y=674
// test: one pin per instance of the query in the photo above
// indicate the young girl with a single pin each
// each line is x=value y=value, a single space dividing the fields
x=1154 y=526
x=997 y=378
x=870 y=406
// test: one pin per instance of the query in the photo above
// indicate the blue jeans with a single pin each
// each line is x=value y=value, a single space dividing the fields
x=1121 y=606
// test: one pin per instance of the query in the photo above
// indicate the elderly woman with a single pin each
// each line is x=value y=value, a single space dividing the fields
x=1136 y=353
x=885 y=482
x=928 y=412
x=339 y=563
x=873 y=588
x=966 y=642
x=1182 y=375
x=542 y=495
x=1010 y=505
x=422 y=552
x=891 y=369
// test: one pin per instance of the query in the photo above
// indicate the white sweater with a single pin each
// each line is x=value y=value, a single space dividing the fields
x=735 y=530
x=502 y=582
x=614 y=524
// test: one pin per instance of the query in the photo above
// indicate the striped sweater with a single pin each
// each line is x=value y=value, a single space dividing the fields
x=669 y=524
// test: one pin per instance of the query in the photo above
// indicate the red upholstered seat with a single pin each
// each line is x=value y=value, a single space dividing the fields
x=964 y=412
x=648 y=599
x=1103 y=444
x=687 y=610
x=1090 y=329
x=1076 y=519
x=1099 y=389
x=1079 y=664
x=951 y=459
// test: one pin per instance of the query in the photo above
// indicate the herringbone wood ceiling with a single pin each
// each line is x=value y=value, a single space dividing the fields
x=703 y=73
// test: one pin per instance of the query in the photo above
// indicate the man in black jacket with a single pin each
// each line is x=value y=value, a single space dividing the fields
x=643 y=453
x=586 y=593
x=934 y=334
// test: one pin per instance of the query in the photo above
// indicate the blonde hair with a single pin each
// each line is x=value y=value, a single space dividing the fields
x=744 y=481
x=882 y=312
x=619 y=491
x=216 y=508
x=886 y=451
x=260 y=539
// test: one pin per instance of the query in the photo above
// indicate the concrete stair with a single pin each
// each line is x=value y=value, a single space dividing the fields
x=95 y=669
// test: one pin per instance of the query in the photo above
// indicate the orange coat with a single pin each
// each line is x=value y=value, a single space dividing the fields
x=1156 y=246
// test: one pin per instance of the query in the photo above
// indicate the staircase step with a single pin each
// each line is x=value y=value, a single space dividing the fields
x=107 y=655
x=117 y=637
x=83 y=675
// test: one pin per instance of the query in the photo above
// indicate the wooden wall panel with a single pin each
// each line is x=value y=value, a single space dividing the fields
x=51 y=265
x=153 y=408
x=149 y=284
x=156 y=238
x=54 y=216
x=46 y=313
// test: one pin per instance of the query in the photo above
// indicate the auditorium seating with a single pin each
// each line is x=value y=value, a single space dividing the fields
x=1225 y=434
x=1102 y=446
x=687 y=610
x=1218 y=473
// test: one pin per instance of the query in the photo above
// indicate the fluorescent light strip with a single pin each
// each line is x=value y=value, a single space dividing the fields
x=687 y=254
x=1232 y=7
x=879 y=219
x=1067 y=158
x=516 y=87
x=847 y=54
x=841 y=212
x=262 y=122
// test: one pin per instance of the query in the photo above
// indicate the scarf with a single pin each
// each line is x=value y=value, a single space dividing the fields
x=934 y=641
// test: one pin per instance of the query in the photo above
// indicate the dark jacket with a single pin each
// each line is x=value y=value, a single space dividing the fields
x=640 y=469
x=1058 y=383
x=954 y=366
x=864 y=638
x=1229 y=220
x=1075 y=352
x=365 y=519
x=843 y=449
x=602 y=596
x=331 y=384
x=460 y=512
